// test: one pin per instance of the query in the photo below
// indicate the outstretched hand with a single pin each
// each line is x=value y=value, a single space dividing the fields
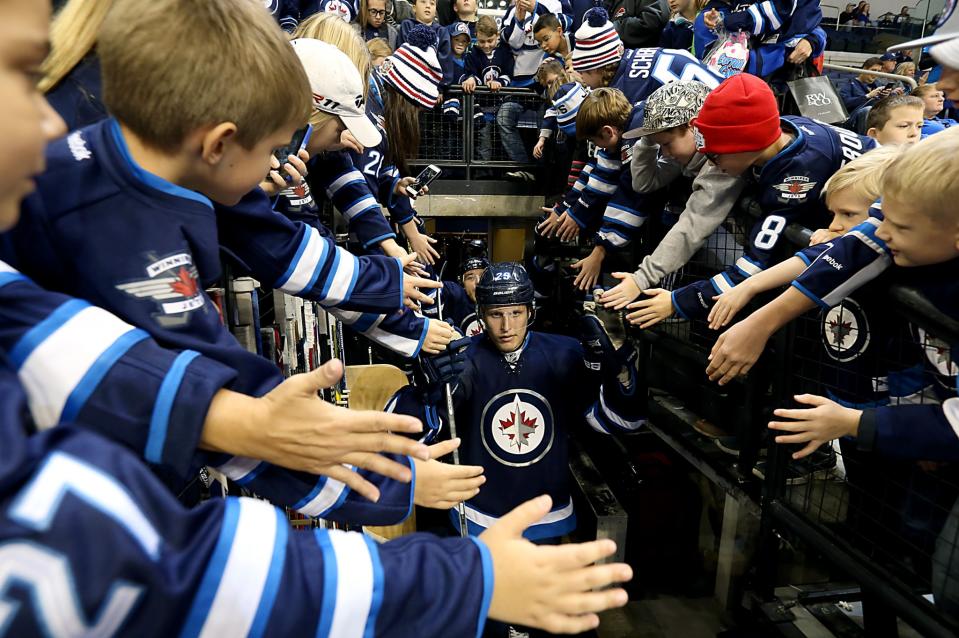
x=826 y=421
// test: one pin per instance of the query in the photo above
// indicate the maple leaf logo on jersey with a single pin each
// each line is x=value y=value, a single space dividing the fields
x=517 y=427
x=795 y=187
x=172 y=282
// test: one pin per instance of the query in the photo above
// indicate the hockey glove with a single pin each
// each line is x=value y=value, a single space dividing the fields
x=445 y=367
x=599 y=355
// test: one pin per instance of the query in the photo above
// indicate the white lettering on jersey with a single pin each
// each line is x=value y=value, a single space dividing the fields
x=78 y=147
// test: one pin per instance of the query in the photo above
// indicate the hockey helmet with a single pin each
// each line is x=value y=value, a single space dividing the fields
x=504 y=284
x=474 y=263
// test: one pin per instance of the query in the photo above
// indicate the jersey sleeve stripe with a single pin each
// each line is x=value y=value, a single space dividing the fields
x=343 y=277
x=327 y=495
x=330 y=570
x=377 y=598
x=274 y=576
x=244 y=566
x=291 y=269
x=95 y=340
x=350 y=177
x=306 y=265
x=868 y=273
x=360 y=206
x=354 y=585
x=10 y=277
x=770 y=11
x=758 y=21
x=239 y=467
x=487 y=560
x=160 y=419
x=950 y=409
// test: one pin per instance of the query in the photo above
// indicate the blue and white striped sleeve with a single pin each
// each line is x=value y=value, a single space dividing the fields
x=761 y=18
x=625 y=214
x=80 y=363
x=403 y=332
x=300 y=261
x=350 y=193
x=601 y=184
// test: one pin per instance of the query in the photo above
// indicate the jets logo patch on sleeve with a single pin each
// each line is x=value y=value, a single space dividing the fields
x=517 y=427
x=795 y=187
x=172 y=282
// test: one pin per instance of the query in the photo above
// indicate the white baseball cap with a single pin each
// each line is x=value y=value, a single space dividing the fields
x=337 y=87
x=946 y=26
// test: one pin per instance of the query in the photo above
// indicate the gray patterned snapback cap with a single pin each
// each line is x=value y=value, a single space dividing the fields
x=670 y=105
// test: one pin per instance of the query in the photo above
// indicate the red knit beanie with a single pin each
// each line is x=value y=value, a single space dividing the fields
x=738 y=116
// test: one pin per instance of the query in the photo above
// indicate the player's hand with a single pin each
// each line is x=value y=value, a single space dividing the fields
x=728 y=305
x=403 y=182
x=589 y=268
x=648 y=312
x=622 y=293
x=438 y=336
x=826 y=421
x=347 y=142
x=712 y=19
x=412 y=297
x=421 y=243
x=800 y=52
x=441 y=485
x=538 y=148
x=292 y=427
x=468 y=85
x=568 y=229
x=495 y=86
x=821 y=236
x=735 y=352
x=548 y=226
x=556 y=588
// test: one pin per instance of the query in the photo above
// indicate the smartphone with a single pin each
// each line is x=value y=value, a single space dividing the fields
x=429 y=173
x=297 y=143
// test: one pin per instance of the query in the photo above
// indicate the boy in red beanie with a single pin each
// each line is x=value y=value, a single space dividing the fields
x=786 y=161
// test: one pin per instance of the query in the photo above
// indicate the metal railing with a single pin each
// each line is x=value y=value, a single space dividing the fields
x=879 y=74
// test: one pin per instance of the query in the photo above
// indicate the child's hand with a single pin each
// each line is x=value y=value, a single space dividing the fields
x=648 y=312
x=538 y=148
x=568 y=228
x=469 y=85
x=728 y=304
x=347 y=142
x=494 y=86
x=551 y=587
x=548 y=226
x=421 y=244
x=295 y=168
x=403 y=182
x=712 y=19
x=735 y=352
x=826 y=421
x=412 y=297
x=622 y=293
x=821 y=236
x=441 y=485
x=438 y=336
x=589 y=269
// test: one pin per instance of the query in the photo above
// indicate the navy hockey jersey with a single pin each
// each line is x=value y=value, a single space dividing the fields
x=787 y=189
x=102 y=229
x=642 y=71
x=518 y=35
x=92 y=544
x=515 y=423
x=852 y=261
x=77 y=362
x=486 y=68
x=775 y=27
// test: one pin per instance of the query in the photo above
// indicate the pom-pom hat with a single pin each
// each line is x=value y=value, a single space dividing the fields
x=597 y=43
x=413 y=69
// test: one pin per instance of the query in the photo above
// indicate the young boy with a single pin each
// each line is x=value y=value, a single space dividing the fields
x=666 y=152
x=460 y=39
x=490 y=62
x=165 y=247
x=117 y=535
x=466 y=11
x=550 y=37
x=788 y=159
x=896 y=119
x=518 y=33
x=424 y=12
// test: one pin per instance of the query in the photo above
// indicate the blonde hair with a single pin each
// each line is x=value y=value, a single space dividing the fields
x=378 y=48
x=902 y=66
x=73 y=34
x=921 y=90
x=602 y=107
x=486 y=26
x=926 y=176
x=173 y=66
x=332 y=29
x=864 y=174
x=551 y=66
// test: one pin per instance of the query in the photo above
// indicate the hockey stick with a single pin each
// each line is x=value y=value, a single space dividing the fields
x=461 y=506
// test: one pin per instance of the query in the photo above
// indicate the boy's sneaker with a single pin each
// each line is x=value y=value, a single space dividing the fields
x=819 y=465
x=521 y=176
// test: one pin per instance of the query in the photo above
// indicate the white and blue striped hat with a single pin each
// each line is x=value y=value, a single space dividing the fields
x=569 y=97
x=597 y=43
x=413 y=69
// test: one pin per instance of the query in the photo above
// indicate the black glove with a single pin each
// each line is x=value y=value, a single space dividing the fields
x=599 y=354
x=446 y=367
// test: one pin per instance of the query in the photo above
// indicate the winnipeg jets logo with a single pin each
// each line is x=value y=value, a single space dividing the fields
x=938 y=353
x=845 y=331
x=795 y=187
x=337 y=8
x=517 y=427
x=271 y=5
x=472 y=326
x=298 y=195
x=171 y=282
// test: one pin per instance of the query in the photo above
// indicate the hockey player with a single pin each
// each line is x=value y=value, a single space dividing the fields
x=666 y=152
x=520 y=395
x=788 y=159
x=151 y=274
x=457 y=301
x=114 y=553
